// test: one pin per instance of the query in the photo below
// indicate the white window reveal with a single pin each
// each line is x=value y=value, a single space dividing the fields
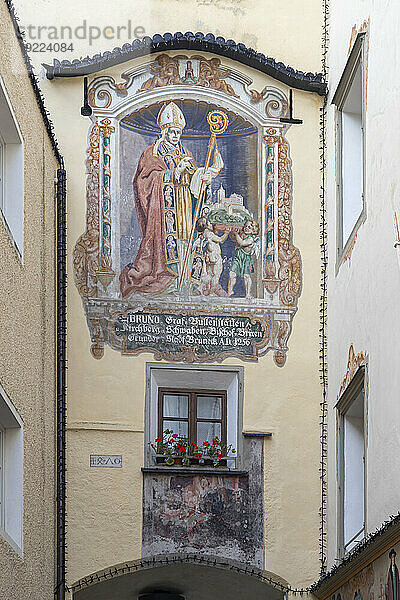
x=352 y=156
x=349 y=100
x=11 y=460
x=352 y=465
x=11 y=172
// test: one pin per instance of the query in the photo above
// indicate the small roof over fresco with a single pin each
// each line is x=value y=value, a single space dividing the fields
x=311 y=82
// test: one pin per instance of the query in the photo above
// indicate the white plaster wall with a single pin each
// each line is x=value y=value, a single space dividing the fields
x=363 y=298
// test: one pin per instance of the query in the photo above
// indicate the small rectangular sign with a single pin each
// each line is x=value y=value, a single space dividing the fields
x=106 y=460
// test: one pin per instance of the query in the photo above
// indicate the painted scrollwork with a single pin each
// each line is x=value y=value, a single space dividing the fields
x=89 y=266
x=102 y=95
x=86 y=251
x=96 y=92
x=289 y=272
x=276 y=109
x=276 y=103
x=354 y=362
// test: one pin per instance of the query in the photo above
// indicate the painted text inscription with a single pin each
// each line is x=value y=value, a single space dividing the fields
x=205 y=334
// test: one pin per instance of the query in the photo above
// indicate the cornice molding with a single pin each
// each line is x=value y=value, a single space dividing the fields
x=310 y=82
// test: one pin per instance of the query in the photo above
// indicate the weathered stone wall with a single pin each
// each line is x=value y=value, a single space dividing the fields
x=218 y=515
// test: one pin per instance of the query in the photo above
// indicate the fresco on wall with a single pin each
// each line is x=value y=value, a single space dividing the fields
x=210 y=514
x=188 y=249
x=377 y=581
x=189 y=229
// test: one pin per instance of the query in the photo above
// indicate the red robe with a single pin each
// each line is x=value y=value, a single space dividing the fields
x=149 y=273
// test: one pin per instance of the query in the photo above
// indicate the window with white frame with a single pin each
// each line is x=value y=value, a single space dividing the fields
x=200 y=403
x=11 y=457
x=349 y=101
x=11 y=171
x=351 y=473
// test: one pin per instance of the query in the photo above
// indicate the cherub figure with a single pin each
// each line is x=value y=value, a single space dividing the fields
x=211 y=76
x=212 y=252
x=166 y=72
x=247 y=246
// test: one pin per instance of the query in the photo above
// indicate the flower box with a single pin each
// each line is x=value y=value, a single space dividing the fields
x=176 y=450
x=191 y=461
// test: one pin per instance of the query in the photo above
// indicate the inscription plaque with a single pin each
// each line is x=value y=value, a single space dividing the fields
x=204 y=336
x=106 y=460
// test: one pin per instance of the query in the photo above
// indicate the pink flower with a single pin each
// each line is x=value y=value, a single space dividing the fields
x=175 y=435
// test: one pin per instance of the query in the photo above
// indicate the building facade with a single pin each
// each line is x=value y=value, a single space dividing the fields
x=193 y=303
x=213 y=189
x=363 y=275
x=29 y=163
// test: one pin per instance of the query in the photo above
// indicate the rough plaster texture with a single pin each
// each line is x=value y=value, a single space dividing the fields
x=363 y=296
x=106 y=397
x=220 y=515
x=27 y=338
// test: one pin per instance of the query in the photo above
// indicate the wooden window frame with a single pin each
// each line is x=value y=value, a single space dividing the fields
x=192 y=418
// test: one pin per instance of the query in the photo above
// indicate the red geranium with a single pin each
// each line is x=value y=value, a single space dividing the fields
x=198 y=454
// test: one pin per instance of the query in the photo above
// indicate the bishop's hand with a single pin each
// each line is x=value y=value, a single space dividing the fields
x=207 y=177
x=184 y=163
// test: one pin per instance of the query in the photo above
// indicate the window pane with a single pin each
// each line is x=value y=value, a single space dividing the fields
x=208 y=431
x=179 y=427
x=175 y=405
x=209 y=407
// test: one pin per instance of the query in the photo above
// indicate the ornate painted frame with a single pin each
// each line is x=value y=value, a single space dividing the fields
x=95 y=261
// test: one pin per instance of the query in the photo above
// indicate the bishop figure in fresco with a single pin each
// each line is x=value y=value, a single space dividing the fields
x=166 y=178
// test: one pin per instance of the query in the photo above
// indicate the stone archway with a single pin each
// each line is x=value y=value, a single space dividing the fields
x=193 y=577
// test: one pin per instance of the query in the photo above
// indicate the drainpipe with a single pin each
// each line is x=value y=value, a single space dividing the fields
x=59 y=592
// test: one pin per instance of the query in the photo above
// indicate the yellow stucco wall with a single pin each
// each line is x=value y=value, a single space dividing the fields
x=106 y=397
x=27 y=338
